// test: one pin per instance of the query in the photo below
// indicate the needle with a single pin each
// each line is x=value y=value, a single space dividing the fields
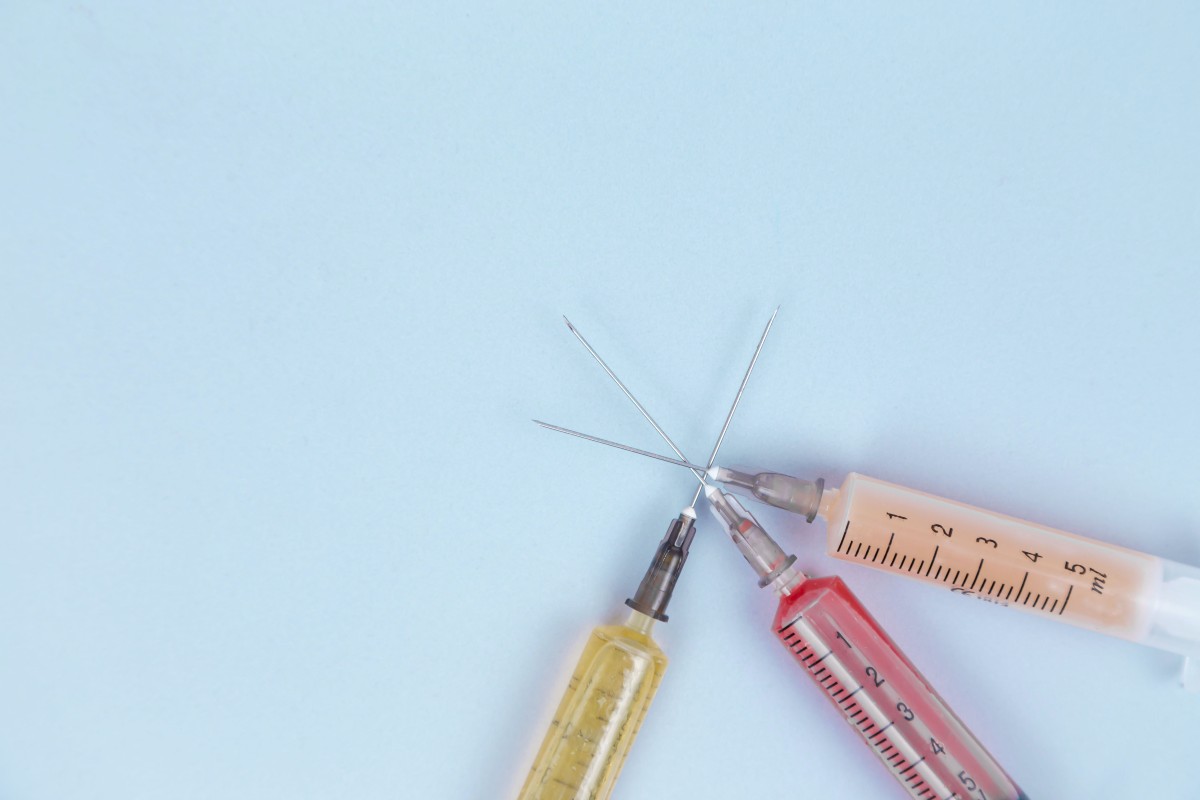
x=699 y=473
x=728 y=417
x=598 y=440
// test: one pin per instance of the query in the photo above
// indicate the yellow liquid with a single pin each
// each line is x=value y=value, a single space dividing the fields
x=600 y=714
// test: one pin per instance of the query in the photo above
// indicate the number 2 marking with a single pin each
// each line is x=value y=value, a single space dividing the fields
x=874 y=675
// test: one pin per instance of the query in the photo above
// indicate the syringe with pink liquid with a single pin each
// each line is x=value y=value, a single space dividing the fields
x=988 y=556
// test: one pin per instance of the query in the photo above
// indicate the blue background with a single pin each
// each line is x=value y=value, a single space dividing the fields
x=280 y=288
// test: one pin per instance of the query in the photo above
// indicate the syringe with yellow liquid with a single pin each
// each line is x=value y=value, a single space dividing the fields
x=611 y=688
x=618 y=673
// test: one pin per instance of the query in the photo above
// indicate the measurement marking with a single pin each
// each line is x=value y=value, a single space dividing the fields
x=1052 y=605
x=938 y=574
x=913 y=765
x=860 y=544
x=879 y=733
x=902 y=560
x=844 y=530
x=856 y=691
x=839 y=691
x=919 y=568
x=817 y=674
x=889 y=747
x=808 y=658
x=889 y=545
x=790 y=636
x=1039 y=597
x=875 y=557
x=828 y=653
x=893 y=561
x=935 y=551
x=957 y=572
x=1066 y=600
x=977 y=571
x=854 y=717
x=802 y=649
x=1022 y=586
x=829 y=679
x=993 y=586
x=1046 y=601
x=872 y=725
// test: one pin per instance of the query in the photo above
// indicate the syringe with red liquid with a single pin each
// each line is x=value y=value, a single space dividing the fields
x=871 y=683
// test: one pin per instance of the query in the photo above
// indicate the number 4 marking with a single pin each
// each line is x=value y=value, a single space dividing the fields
x=1032 y=556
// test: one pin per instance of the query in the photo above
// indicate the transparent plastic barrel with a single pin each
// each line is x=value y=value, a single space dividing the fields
x=883 y=697
x=1012 y=563
x=599 y=715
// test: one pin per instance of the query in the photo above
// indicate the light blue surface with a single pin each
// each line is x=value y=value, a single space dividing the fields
x=280 y=290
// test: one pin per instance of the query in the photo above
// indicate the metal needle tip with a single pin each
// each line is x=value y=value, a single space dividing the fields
x=625 y=390
x=737 y=399
x=618 y=445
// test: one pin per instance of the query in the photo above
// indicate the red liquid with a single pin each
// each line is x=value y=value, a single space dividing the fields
x=884 y=698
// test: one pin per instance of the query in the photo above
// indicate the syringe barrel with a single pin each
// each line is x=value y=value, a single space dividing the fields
x=1012 y=563
x=599 y=715
x=884 y=698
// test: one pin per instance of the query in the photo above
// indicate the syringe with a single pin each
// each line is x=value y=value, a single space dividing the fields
x=989 y=556
x=611 y=689
x=928 y=750
x=621 y=666
x=870 y=682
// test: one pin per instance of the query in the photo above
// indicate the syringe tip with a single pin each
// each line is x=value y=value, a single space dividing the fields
x=688 y=512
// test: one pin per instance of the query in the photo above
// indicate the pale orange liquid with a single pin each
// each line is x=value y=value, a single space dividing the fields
x=992 y=557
